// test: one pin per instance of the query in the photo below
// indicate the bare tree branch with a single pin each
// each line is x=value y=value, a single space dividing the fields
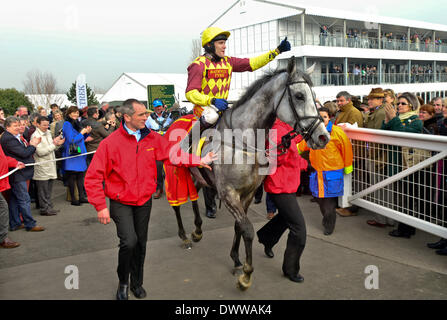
x=43 y=86
x=196 y=49
x=99 y=90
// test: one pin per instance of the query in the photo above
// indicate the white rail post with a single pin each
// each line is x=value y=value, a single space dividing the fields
x=347 y=191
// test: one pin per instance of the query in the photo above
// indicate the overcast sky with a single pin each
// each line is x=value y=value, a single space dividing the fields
x=103 y=38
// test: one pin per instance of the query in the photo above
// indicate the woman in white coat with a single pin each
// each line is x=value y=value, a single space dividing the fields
x=45 y=173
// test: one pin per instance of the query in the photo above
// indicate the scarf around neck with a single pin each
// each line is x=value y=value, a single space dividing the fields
x=406 y=115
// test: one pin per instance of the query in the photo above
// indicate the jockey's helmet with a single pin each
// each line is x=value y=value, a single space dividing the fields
x=214 y=34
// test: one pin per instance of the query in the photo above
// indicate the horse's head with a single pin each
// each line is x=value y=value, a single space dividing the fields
x=298 y=108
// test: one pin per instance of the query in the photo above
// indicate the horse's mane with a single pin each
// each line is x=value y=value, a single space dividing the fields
x=251 y=90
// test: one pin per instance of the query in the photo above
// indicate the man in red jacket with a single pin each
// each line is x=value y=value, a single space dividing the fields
x=5 y=163
x=125 y=163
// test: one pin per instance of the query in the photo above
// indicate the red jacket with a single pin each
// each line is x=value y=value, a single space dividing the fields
x=128 y=167
x=5 y=164
x=286 y=178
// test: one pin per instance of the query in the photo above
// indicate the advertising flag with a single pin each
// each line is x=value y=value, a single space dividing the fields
x=81 y=91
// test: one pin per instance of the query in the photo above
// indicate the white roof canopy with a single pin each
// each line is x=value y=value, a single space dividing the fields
x=248 y=12
x=134 y=85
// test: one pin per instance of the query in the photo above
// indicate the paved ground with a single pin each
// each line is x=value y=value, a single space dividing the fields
x=333 y=266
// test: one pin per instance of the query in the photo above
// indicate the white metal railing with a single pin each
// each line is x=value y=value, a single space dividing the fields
x=400 y=175
x=338 y=79
x=365 y=42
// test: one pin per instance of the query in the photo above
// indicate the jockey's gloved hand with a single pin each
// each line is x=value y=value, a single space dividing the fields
x=286 y=141
x=220 y=104
x=284 y=46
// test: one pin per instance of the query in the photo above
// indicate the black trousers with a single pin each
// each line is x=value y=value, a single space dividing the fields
x=32 y=191
x=408 y=201
x=209 y=194
x=76 y=178
x=160 y=175
x=289 y=217
x=131 y=225
x=259 y=192
x=327 y=208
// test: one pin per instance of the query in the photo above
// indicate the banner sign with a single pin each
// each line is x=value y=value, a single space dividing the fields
x=81 y=91
x=164 y=92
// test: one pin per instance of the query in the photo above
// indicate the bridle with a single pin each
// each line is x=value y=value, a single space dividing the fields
x=306 y=132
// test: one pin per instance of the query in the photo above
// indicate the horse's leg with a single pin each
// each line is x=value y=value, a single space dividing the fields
x=243 y=227
x=197 y=234
x=181 y=231
x=234 y=254
x=248 y=235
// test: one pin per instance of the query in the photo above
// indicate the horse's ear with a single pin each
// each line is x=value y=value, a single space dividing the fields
x=291 y=67
x=311 y=69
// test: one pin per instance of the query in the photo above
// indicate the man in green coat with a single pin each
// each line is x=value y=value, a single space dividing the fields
x=377 y=154
x=376 y=113
x=348 y=113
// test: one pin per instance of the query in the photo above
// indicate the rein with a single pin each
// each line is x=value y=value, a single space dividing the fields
x=306 y=133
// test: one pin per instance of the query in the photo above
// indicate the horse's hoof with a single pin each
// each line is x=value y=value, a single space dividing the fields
x=196 y=237
x=242 y=284
x=187 y=244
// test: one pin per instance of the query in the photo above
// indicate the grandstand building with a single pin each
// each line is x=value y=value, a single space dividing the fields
x=352 y=52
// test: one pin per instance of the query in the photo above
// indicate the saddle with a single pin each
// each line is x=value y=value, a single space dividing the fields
x=194 y=141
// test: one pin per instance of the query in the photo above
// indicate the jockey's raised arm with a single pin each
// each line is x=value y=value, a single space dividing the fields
x=209 y=75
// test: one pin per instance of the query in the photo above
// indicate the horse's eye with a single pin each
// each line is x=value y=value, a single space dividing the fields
x=299 y=96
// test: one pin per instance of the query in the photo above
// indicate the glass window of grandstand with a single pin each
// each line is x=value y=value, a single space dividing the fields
x=362 y=72
x=324 y=31
x=361 y=34
x=394 y=37
x=440 y=42
x=428 y=40
x=421 y=72
x=327 y=73
x=441 y=72
x=252 y=39
x=394 y=72
x=291 y=28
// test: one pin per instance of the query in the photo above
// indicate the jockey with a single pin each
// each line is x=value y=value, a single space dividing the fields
x=209 y=75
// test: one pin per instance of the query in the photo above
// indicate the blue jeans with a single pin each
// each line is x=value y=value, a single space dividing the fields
x=20 y=203
x=271 y=208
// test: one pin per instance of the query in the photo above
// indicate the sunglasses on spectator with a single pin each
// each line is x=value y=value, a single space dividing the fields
x=402 y=103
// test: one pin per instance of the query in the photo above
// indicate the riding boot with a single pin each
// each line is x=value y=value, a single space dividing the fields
x=191 y=141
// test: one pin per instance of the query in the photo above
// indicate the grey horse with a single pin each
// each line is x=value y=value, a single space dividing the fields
x=242 y=164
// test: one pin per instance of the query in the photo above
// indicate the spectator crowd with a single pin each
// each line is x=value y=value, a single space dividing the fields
x=368 y=39
x=38 y=137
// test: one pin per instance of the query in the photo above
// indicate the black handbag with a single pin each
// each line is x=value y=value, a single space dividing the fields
x=74 y=149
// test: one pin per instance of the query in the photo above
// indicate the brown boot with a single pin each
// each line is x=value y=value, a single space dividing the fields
x=158 y=193
x=343 y=212
x=9 y=244
x=35 y=229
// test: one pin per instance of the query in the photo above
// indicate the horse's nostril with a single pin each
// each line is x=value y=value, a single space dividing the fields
x=322 y=138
